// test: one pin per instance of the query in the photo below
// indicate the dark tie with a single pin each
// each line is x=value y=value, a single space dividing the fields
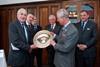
x=82 y=25
x=29 y=26
x=51 y=27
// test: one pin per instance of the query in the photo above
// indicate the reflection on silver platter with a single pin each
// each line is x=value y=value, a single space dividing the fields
x=42 y=39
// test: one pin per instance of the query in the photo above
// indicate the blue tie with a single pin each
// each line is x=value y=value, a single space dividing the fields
x=25 y=31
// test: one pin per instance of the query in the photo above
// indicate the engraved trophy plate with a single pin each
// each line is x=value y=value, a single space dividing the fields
x=42 y=39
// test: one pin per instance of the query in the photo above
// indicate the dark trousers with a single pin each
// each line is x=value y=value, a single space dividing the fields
x=19 y=66
x=27 y=62
x=51 y=53
x=38 y=54
x=84 y=61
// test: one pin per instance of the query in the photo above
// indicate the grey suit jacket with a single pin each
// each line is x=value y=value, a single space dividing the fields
x=65 y=47
x=18 y=39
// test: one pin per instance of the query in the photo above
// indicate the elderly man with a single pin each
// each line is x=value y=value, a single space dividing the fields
x=19 y=41
x=66 y=40
x=54 y=27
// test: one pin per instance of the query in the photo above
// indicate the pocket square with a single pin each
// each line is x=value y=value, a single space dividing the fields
x=88 y=28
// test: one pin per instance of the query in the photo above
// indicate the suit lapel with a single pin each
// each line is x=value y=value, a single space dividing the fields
x=49 y=28
x=22 y=33
x=86 y=26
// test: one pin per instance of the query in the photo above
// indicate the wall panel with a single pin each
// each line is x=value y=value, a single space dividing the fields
x=42 y=11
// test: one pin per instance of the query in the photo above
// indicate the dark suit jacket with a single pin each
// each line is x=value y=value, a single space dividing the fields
x=18 y=39
x=87 y=37
x=56 y=30
x=33 y=31
x=35 y=52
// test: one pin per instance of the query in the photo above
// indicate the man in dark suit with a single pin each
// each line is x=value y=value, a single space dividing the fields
x=37 y=52
x=34 y=28
x=66 y=40
x=55 y=28
x=86 y=51
x=19 y=47
x=29 y=21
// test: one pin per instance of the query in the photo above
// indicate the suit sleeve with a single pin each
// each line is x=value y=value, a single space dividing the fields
x=69 y=43
x=92 y=41
x=15 y=38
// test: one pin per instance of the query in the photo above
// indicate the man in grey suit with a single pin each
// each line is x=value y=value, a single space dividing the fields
x=19 y=49
x=66 y=40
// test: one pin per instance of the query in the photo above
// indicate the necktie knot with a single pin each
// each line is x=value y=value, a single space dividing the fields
x=51 y=26
x=23 y=25
x=29 y=26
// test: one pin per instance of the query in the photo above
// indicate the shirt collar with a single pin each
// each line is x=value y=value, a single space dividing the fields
x=53 y=25
x=66 y=24
x=85 y=22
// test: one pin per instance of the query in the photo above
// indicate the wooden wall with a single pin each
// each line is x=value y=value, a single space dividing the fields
x=42 y=10
x=98 y=36
x=8 y=14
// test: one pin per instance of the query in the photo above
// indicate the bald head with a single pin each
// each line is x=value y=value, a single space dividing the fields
x=21 y=15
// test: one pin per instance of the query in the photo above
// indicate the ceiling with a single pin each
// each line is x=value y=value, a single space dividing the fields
x=6 y=2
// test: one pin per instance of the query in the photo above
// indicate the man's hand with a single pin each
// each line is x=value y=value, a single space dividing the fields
x=33 y=46
x=82 y=46
x=53 y=34
x=53 y=43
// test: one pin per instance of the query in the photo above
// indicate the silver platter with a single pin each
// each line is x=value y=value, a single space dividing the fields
x=42 y=39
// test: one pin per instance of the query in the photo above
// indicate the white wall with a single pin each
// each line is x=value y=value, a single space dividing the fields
x=4 y=2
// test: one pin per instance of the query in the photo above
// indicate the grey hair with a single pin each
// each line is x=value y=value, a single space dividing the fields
x=62 y=13
x=20 y=10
